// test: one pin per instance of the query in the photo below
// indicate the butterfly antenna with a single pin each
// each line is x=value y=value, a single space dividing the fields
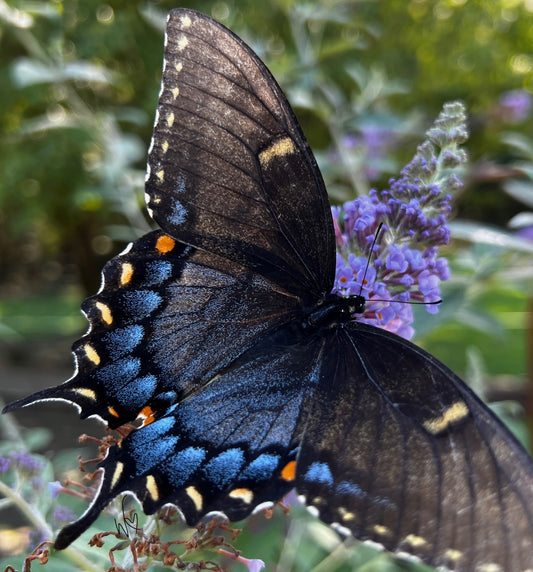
x=370 y=256
x=413 y=302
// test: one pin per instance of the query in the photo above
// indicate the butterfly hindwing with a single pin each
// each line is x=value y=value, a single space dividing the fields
x=406 y=456
x=168 y=318
x=229 y=170
x=228 y=448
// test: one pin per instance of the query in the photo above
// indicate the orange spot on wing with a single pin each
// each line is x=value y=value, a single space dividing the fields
x=112 y=411
x=148 y=415
x=288 y=473
x=165 y=244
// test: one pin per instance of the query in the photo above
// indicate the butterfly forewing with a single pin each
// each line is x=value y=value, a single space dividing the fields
x=405 y=455
x=229 y=169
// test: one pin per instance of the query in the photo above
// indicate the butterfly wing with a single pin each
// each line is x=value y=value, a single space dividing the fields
x=407 y=456
x=229 y=170
x=227 y=448
x=167 y=319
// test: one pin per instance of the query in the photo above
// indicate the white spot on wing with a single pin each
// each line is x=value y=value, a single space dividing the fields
x=263 y=506
x=186 y=22
x=313 y=510
x=375 y=545
x=183 y=42
x=407 y=556
x=342 y=530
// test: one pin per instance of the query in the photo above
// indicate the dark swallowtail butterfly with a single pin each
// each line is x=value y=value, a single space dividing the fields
x=222 y=333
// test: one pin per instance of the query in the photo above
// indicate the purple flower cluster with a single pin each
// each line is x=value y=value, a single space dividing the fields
x=26 y=463
x=515 y=105
x=62 y=514
x=4 y=464
x=413 y=211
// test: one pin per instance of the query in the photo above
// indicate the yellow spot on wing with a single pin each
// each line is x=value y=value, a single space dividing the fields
x=165 y=244
x=91 y=354
x=126 y=273
x=105 y=312
x=288 y=473
x=246 y=495
x=175 y=92
x=170 y=119
x=279 y=148
x=195 y=496
x=178 y=67
x=151 y=487
x=415 y=541
x=160 y=175
x=116 y=475
x=183 y=42
x=86 y=392
x=381 y=530
x=455 y=413
x=452 y=554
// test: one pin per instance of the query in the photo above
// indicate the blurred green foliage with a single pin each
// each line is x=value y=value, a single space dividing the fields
x=80 y=80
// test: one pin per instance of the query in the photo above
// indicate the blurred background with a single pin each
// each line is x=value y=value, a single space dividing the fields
x=79 y=86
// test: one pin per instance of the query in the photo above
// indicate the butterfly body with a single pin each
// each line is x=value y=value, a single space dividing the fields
x=221 y=331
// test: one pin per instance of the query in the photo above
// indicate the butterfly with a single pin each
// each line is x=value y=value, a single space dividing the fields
x=220 y=331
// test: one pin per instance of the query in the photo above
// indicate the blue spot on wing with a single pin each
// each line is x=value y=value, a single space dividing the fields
x=140 y=303
x=181 y=184
x=224 y=468
x=157 y=272
x=352 y=489
x=180 y=467
x=152 y=445
x=345 y=487
x=137 y=392
x=320 y=473
x=178 y=214
x=123 y=341
x=148 y=457
x=262 y=468
x=115 y=375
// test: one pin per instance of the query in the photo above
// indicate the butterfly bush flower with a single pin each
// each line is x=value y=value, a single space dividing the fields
x=27 y=464
x=4 y=464
x=404 y=266
x=63 y=514
x=515 y=106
